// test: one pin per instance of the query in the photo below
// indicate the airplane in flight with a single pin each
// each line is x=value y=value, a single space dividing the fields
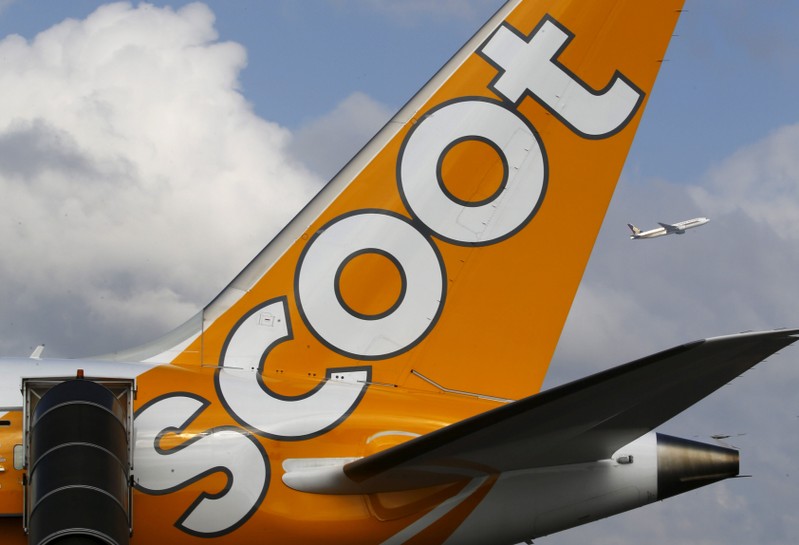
x=374 y=375
x=678 y=228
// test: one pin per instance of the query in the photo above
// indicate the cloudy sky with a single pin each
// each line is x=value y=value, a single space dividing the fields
x=147 y=152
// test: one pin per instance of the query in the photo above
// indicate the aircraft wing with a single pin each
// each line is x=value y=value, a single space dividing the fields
x=583 y=421
x=671 y=228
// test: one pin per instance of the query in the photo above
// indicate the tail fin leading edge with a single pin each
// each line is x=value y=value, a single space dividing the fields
x=436 y=250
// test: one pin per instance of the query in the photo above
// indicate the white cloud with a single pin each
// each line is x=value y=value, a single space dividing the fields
x=762 y=180
x=128 y=159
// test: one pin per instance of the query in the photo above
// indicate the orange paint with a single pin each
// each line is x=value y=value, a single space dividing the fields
x=472 y=171
x=371 y=284
x=10 y=477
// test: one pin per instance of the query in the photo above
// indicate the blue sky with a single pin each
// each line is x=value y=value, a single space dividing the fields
x=298 y=87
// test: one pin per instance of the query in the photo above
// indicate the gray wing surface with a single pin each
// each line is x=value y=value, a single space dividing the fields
x=671 y=228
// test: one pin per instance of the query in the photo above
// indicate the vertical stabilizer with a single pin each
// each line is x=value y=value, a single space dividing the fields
x=435 y=256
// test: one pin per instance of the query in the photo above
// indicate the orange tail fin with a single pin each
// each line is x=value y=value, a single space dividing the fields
x=435 y=257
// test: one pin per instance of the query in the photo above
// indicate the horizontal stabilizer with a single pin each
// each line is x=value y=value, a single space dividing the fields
x=583 y=421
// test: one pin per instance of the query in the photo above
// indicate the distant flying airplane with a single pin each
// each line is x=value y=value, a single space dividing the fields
x=667 y=228
x=373 y=375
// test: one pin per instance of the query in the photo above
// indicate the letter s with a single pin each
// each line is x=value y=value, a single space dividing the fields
x=227 y=450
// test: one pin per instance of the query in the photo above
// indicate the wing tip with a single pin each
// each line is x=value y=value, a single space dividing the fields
x=790 y=335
